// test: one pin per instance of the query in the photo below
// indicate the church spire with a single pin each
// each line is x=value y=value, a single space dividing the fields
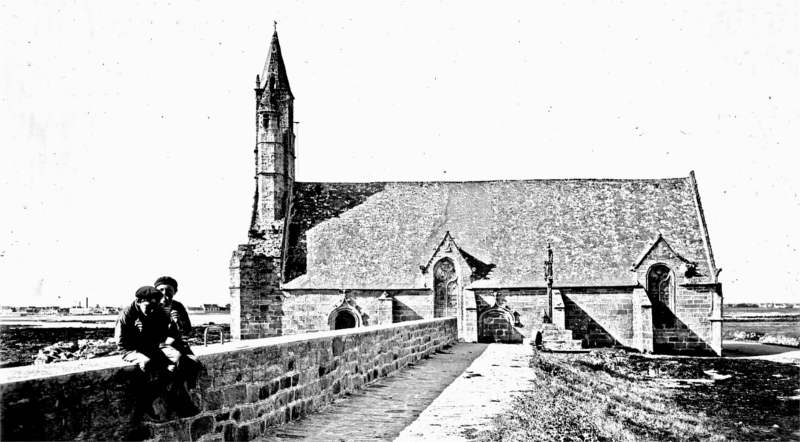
x=274 y=73
x=274 y=144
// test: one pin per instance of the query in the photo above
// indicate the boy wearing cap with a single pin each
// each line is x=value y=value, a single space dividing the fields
x=179 y=317
x=178 y=351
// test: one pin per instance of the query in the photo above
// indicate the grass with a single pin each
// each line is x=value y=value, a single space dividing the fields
x=613 y=396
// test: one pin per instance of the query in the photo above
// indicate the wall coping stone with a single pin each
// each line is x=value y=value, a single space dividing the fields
x=29 y=372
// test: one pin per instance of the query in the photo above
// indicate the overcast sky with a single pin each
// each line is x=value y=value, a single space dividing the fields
x=128 y=128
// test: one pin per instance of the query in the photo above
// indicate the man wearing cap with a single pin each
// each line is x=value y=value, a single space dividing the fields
x=140 y=330
x=178 y=351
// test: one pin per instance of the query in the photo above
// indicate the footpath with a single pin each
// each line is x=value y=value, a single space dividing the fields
x=450 y=396
x=469 y=404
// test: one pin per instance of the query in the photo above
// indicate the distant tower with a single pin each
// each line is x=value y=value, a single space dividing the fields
x=274 y=143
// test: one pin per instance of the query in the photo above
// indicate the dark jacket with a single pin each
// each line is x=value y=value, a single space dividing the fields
x=155 y=330
x=181 y=328
x=184 y=325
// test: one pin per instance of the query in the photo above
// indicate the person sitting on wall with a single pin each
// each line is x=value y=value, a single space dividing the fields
x=178 y=350
x=141 y=329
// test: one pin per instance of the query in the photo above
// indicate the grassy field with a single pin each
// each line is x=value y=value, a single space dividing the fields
x=613 y=396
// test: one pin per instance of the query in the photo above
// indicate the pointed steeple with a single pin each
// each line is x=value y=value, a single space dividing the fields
x=274 y=144
x=274 y=70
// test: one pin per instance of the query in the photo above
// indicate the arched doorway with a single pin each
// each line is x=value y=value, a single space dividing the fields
x=445 y=285
x=661 y=291
x=344 y=320
x=346 y=315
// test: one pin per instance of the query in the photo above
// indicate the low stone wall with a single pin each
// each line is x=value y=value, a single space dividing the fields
x=245 y=387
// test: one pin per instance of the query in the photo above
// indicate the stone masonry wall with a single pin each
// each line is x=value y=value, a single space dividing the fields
x=601 y=316
x=642 y=321
x=529 y=303
x=693 y=326
x=308 y=310
x=245 y=387
x=411 y=305
x=256 y=300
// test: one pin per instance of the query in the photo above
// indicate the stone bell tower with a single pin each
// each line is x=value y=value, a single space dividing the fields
x=274 y=142
x=256 y=267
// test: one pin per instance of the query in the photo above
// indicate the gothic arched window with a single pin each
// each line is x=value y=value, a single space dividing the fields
x=445 y=286
x=661 y=291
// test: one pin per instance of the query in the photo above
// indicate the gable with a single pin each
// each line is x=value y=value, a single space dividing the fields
x=377 y=235
x=659 y=250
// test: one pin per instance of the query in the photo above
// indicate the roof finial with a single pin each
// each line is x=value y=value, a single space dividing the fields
x=275 y=25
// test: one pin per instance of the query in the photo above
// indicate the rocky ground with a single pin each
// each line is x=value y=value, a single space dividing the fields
x=25 y=345
x=763 y=338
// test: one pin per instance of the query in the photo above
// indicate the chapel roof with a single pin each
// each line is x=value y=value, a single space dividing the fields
x=378 y=235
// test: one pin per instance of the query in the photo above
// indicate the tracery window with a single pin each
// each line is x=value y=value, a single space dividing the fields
x=661 y=290
x=445 y=284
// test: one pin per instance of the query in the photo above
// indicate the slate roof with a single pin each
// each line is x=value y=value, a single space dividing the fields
x=377 y=235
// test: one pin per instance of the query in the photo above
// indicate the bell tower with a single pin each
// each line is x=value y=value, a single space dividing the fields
x=274 y=143
x=257 y=267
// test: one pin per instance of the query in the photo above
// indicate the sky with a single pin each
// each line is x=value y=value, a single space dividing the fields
x=127 y=128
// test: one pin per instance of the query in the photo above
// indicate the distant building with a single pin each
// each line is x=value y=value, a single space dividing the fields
x=211 y=308
x=779 y=306
x=80 y=311
x=195 y=309
x=49 y=311
x=7 y=310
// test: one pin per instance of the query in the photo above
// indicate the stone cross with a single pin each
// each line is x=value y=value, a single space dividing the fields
x=548 y=277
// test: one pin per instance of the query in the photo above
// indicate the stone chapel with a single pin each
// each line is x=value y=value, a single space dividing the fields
x=568 y=263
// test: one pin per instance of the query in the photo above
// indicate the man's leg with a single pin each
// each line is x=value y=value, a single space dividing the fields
x=144 y=393
x=183 y=373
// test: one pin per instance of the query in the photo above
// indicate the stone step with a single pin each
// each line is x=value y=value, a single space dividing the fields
x=573 y=345
x=556 y=335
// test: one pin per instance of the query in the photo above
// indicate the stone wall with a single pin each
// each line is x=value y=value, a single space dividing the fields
x=693 y=331
x=410 y=305
x=529 y=303
x=256 y=300
x=309 y=310
x=642 y=321
x=601 y=316
x=245 y=386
